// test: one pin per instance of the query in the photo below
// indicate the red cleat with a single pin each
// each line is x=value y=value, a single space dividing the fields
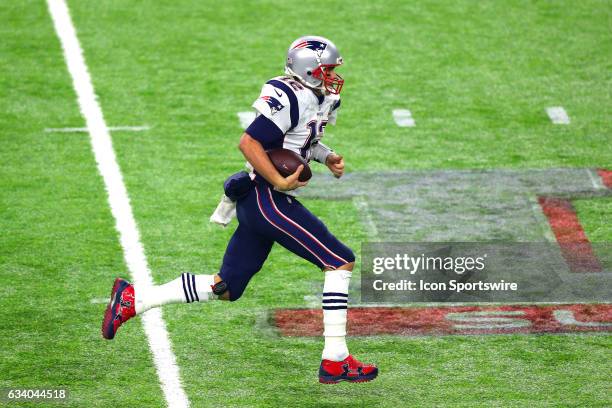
x=120 y=309
x=349 y=369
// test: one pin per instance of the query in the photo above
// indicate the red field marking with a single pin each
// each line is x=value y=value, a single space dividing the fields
x=463 y=320
x=575 y=246
x=606 y=177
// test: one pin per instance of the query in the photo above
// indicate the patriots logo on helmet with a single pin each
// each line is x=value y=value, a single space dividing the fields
x=316 y=46
x=273 y=103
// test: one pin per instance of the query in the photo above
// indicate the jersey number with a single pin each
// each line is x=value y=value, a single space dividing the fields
x=314 y=132
x=294 y=84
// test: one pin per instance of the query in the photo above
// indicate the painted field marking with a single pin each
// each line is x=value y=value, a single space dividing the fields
x=110 y=128
x=541 y=219
x=558 y=115
x=488 y=319
x=246 y=118
x=313 y=300
x=606 y=177
x=133 y=251
x=364 y=208
x=453 y=320
x=567 y=317
x=596 y=181
x=573 y=242
x=403 y=118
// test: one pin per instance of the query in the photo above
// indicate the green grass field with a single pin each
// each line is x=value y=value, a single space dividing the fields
x=477 y=77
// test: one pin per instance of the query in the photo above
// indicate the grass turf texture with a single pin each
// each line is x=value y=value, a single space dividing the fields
x=595 y=215
x=477 y=77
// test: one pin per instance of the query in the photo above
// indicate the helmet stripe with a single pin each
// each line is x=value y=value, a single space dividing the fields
x=301 y=45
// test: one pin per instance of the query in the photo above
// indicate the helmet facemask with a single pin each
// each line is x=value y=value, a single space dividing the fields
x=331 y=84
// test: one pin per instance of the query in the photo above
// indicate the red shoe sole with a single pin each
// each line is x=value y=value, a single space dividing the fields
x=339 y=381
x=362 y=380
x=108 y=313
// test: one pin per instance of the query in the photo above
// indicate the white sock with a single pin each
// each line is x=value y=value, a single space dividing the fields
x=335 y=300
x=186 y=288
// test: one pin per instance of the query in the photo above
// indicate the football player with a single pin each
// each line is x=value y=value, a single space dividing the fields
x=292 y=112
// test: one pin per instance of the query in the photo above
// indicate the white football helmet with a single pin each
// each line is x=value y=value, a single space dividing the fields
x=308 y=59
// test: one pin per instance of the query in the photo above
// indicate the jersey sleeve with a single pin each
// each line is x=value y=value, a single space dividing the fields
x=274 y=115
x=320 y=152
x=334 y=113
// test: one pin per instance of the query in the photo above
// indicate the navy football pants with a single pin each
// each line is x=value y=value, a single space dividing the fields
x=267 y=216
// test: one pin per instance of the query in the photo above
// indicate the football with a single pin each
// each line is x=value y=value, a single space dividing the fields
x=287 y=162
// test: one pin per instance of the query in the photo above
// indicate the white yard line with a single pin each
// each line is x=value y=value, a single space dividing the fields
x=558 y=115
x=110 y=128
x=403 y=118
x=362 y=205
x=246 y=118
x=133 y=251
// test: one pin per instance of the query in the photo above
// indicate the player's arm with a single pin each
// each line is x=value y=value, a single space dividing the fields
x=255 y=154
x=327 y=156
x=335 y=163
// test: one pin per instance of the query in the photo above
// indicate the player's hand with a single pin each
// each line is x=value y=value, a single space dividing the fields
x=335 y=163
x=291 y=182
